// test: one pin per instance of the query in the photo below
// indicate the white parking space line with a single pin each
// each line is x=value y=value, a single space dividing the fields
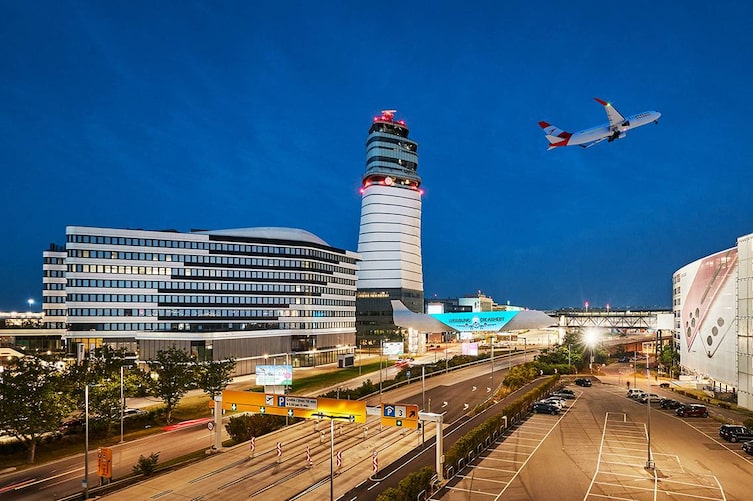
x=513 y=461
x=493 y=469
x=470 y=491
x=621 y=473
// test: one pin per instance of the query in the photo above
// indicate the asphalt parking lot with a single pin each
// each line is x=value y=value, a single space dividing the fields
x=599 y=448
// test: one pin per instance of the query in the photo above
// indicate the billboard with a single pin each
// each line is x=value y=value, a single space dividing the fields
x=480 y=321
x=708 y=317
x=274 y=375
x=470 y=349
x=391 y=349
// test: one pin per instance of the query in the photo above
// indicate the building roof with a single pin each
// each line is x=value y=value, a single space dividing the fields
x=272 y=233
x=470 y=321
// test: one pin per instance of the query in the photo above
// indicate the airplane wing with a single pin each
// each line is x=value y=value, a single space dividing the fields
x=616 y=120
x=588 y=145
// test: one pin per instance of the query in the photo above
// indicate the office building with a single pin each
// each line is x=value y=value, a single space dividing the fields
x=256 y=294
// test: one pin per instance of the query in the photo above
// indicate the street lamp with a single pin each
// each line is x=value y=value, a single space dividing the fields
x=332 y=418
x=591 y=337
x=31 y=303
x=493 y=339
x=85 y=482
x=649 y=461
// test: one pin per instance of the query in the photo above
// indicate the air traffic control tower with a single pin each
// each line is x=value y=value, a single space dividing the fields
x=389 y=239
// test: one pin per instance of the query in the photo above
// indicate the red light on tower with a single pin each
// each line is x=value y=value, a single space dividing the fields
x=586 y=304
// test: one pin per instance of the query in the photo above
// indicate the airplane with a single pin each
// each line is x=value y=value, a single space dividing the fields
x=616 y=128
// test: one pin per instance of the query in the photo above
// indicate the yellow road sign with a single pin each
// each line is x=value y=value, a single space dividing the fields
x=104 y=462
x=293 y=406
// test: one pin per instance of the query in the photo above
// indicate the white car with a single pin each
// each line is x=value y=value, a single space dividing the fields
x=652 y=397
x=635 y=393
x=560 y=403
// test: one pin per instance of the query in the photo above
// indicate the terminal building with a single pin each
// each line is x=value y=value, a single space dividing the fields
x=255 y=294
x=713 y=311
x=389 y=239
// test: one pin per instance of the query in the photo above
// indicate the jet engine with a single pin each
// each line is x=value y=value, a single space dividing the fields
x=618 y=134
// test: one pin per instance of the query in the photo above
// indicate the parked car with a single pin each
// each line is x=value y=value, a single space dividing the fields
x=692 y=410
x=545 y=408
x=554 y=401
x=635 y=393
x=623 y=359
x=649 y=397
x=71 y=426
x=735 y=433
x=566 y=390
x=562 y=394
x=583 y=381
x=132 y=412
x=668 y=403
x=664 y=385
x=748 y=446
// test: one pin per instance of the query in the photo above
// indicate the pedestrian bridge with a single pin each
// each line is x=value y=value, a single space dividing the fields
x=614 y=320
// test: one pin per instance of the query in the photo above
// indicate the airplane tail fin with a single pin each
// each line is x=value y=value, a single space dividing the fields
x=556 y=137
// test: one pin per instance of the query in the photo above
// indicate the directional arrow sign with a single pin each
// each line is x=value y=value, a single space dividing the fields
x=289 y=405
x=403 y=415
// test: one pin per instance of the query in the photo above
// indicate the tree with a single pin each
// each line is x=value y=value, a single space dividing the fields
x=214 y=376
x=31 y=403
x=146 y=464
x=102 y=373
x=668 y=356
x=243 y=427
x=173 y=374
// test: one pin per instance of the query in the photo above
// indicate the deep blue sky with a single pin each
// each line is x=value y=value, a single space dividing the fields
x=235 y=114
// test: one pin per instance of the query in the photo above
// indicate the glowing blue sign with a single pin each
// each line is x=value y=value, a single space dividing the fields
x=491 y=321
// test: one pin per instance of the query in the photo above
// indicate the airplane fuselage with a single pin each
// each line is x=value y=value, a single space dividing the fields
x=616 y=128
x=605 y=131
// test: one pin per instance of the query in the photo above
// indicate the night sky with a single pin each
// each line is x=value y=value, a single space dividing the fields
x=209 y=115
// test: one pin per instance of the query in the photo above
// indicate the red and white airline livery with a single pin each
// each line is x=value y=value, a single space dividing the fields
x=616 y=128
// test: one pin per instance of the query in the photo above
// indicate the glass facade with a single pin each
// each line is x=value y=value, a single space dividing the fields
x=114 y=283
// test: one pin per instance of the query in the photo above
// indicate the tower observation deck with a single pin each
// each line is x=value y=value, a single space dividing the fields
x=389 y=239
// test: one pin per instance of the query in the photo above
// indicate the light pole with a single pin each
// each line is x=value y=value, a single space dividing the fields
x=381 y=349
x=31 y=303
x=332 y=418
x=492 y=376
x=423 y=386
x=85 y=482
x=649 y=460
x=122 y=403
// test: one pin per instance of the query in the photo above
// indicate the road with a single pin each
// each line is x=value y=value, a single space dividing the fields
x=64 y=477
x=233 y=475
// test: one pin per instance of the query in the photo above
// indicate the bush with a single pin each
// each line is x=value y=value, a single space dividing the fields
x=146 y=465
x=391 y=494
x=242 y=428
x=748 y=422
